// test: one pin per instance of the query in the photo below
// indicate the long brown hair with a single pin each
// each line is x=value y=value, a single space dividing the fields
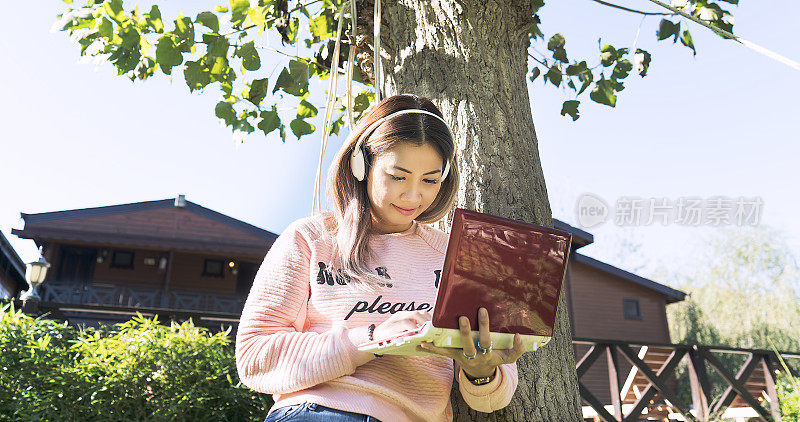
x=351 y=221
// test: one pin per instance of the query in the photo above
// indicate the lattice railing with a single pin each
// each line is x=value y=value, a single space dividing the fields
x=140 y=296
x=647 y=391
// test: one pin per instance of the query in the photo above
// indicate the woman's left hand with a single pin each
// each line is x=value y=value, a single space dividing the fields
x=482 y=365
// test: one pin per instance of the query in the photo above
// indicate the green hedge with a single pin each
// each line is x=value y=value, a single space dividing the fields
x=139 y=370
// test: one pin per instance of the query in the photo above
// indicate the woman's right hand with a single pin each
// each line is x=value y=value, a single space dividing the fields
x=400 y=322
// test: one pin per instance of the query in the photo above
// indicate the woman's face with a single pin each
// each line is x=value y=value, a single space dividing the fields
x=402 y=183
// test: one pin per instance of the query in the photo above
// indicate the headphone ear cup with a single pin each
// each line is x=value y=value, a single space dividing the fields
x=358 y=165
x=446 y=170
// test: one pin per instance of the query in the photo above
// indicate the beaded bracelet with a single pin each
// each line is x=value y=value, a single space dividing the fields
x=371 y=331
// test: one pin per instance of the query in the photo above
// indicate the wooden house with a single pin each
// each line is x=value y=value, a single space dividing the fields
x=12 y=271
x=170 y=253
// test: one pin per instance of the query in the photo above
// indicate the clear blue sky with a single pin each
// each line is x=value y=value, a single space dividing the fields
x=724 y=123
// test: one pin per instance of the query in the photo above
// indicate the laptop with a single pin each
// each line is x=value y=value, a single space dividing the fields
x=512 y=268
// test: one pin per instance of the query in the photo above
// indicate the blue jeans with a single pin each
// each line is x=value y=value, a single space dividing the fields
x=312 y=412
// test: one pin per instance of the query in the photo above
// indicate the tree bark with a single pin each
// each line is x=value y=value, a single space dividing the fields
x=470 y=58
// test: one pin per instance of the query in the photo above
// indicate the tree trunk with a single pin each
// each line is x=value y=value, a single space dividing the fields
x=470 y=58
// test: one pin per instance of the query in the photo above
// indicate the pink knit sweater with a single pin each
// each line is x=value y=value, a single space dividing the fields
x=301 y=325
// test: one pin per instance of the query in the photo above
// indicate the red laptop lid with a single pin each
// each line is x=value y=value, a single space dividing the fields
x=512 y=268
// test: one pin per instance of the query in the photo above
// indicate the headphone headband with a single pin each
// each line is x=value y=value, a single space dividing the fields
x=357 y=159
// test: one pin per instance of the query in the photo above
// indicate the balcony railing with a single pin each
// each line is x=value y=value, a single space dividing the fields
x=141 y=296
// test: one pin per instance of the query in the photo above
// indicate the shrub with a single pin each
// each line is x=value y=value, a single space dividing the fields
x=138 y=370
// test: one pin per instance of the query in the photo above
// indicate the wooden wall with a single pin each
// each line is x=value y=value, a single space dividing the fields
x=597 y=312
x=187 y=270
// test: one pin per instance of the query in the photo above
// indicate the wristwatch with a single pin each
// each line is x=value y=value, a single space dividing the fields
x=482 y=380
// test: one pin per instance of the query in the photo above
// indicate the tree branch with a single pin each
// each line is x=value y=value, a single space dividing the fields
x=272 y=19
x=615 y=6
x=562 y=73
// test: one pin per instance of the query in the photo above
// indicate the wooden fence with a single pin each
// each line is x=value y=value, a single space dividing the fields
x=649 y=389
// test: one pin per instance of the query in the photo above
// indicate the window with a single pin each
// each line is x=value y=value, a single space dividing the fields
x=122 y=259
x=632 y=309
x=213 y=268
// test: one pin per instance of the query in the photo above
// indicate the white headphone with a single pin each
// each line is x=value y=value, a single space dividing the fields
x=358 y=163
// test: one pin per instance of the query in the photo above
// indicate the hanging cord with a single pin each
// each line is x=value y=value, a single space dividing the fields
x=351 y=58
x=316 y=202
x=725 y=34
x=376 y=50
x=635 y=41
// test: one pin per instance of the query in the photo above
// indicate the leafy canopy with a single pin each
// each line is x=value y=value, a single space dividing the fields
x=224 y=48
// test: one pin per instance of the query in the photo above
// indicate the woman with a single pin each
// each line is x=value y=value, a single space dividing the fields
x=366 y=271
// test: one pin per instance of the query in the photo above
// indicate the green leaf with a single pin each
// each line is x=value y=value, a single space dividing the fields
x=258 y=90
x=622 y=69
x=337 y=124
x=556 y=41
x=556 y=45
x=217 y=45
x=587 y=79
x=184 y=30
x=711 y=12
x=145 y=69
x=362 y=101
x=197 y=75
x=224 y=110
x=570 y=107
x=114 y=10
x=238 y=11
x=534 y=32
x=301 y=127
x=294 y=27
x=668 y=29
x=554 y=75
x=642 y=62
x=130 y=37
x=258 y=15
x=209 y=20
x=220 y=71
x=167 y=54
x=294 y=79
x=603 y=93
x=535 y=73
x=608 y=55
x=154 y=19
x=125 y=59
x=306 y=110
x=249 y=55
x=221 y=9
x=269 y=120
x=322 y=27
x=242 y=127
x=106 y=28
x=686 y=39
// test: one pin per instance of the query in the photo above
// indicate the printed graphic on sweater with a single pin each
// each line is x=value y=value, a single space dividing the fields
x=384 y=307
x=331 y=276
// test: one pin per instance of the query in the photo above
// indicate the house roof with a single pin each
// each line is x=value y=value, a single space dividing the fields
x=15 y=262
x=45 y=226
x=580 y=238
x=671 y=294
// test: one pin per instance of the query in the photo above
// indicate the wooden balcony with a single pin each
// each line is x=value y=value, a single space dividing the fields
x=132 y=296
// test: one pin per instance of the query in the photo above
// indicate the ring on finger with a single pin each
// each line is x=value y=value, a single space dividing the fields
x=483 y=350
x=469 y=357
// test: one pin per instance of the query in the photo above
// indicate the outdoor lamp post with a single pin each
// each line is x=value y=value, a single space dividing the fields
x=35 y=273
